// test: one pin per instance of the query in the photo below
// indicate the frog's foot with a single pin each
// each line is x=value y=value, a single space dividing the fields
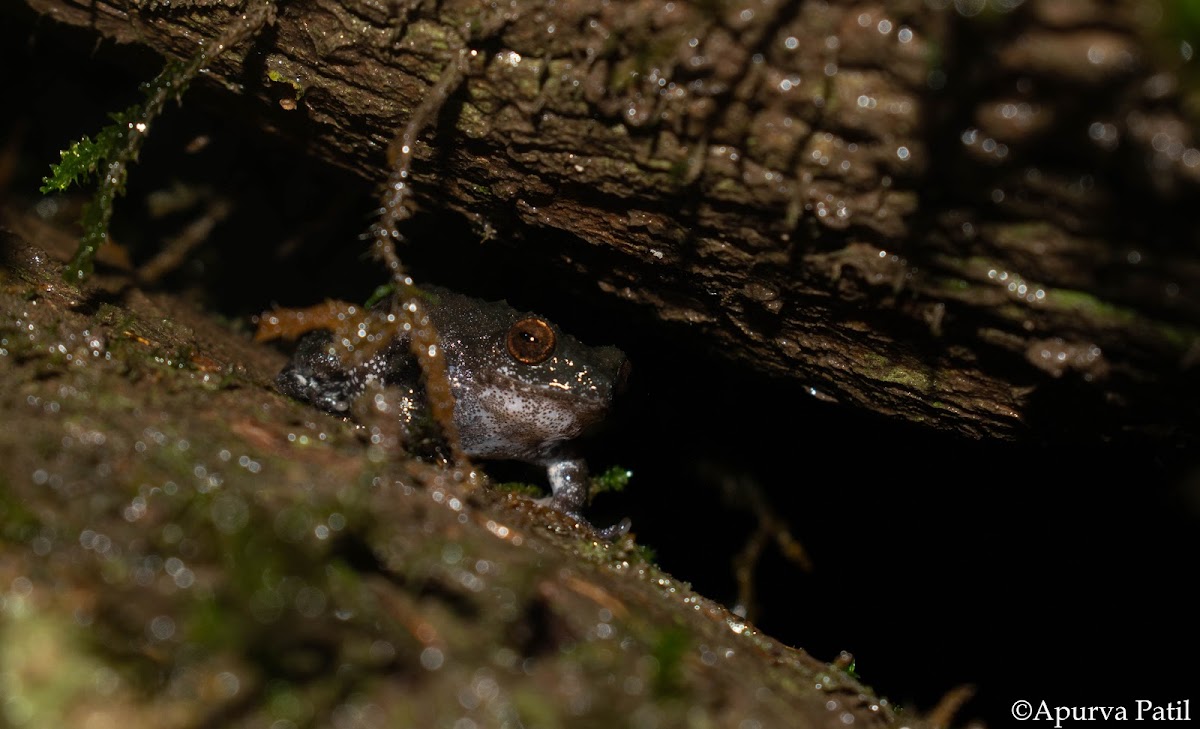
x=568 y=484
x=616 y=531
x=608 y=534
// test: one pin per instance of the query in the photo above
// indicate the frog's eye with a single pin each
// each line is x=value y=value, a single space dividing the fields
x=531 y=340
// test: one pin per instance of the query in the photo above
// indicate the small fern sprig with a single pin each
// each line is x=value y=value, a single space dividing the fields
x=116 y=146
x=109 y=156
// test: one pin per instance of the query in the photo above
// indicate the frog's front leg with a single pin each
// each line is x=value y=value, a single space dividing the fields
x=569 y=491
x=568 y=484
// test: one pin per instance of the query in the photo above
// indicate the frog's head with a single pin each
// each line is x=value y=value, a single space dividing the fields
x=522 y=385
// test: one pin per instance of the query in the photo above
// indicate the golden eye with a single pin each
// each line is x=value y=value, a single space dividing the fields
x=531 y=341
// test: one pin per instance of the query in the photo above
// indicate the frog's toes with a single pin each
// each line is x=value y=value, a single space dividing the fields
x=616 y=531
x=609 y=533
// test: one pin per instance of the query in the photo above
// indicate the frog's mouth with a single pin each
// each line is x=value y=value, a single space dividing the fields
x=589 y=389
x=586 y=402
x=505 y=419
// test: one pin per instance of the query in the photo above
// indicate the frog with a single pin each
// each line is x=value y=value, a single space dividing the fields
x=524 y=390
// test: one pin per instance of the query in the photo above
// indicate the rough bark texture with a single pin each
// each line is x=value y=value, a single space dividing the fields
x=182 y=547
x=977 y=223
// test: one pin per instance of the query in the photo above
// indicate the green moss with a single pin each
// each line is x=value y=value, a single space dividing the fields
x=472 y=122
x=482 y=191
x=82 y=159
x=518 y=487
x=433 y=38
x=535 y=708
x=33 y=640
x=526 y=77
x=678 y=170
x=880 y=368
x=209 y=626
x=279 y=78
x=116 y=146
x=729 y=186
x=875 y=361
x=670 y=646
x=285 y=702
x=1179 y=337
x=1179 y=35
x=916 y=380
x=108 y=156
x=1088 y=304
x=594 y=551
x=614 y=479
x=1033 y=231
x=660 y=164
x=17 y=345
x=850 y=669
x=646 y=554
x=17 y=522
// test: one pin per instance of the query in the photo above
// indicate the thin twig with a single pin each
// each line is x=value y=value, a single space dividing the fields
x=385 y=233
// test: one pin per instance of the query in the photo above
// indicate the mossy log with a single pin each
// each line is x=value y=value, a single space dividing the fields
x=183 y=547
x=979 y=223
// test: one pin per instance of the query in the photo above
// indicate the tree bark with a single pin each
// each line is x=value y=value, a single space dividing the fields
x=184 y=548
x=975 y=222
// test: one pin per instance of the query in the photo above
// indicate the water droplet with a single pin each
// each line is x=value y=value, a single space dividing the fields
x=969 y=8
x=162 y=627
x=432 y=658
x=310 y=602
x=229 y=513
x=228 y=684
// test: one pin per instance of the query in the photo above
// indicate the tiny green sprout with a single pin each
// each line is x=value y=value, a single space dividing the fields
x=846 y=663
x=277 y=77
x=614 y=479
x=379 y=294
x=647 y=554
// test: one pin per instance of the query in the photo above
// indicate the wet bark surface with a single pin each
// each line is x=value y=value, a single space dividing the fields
x=977 y=223
x=184 y=547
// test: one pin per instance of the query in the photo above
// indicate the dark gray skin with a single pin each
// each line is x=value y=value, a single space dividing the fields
x=505 y=408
